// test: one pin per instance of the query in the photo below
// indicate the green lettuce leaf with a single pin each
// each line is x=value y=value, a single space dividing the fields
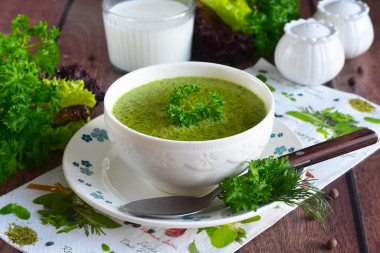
x=232 y=12
x=73 y=93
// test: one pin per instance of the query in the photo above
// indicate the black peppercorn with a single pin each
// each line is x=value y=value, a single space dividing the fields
x=331 y=243
x=334 y=193
x=352 y=81
x=91 y=57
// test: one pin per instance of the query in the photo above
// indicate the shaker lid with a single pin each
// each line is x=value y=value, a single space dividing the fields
x=310 y=30
x=346 y=9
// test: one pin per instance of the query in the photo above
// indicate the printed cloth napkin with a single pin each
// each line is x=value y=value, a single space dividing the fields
x=301 y=108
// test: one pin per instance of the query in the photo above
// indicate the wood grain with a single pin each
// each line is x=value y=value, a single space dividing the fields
x=295 y=233
x=83 y=41
x=37 y=10
x=367 y=84
x=367 y=177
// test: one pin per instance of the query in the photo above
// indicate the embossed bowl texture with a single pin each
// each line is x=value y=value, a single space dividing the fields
x=186 y=167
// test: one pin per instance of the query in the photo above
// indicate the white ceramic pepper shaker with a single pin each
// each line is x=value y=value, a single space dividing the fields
x=310 y=52
x=353 y=22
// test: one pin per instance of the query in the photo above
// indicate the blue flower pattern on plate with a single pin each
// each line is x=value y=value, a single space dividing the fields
x=86 y=171
x=100 y=134
x=86 y=163
x=280 y=150
x=279 y=135
x=97 y=195
x=291 y=150
x=84 y=168
x=82 y=181
x=86 y=137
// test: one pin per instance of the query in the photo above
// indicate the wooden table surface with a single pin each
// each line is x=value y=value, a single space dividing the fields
x=355 y=222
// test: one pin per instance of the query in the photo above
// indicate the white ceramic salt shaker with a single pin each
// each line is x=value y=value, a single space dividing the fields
x=310 y=52
x=353 y=23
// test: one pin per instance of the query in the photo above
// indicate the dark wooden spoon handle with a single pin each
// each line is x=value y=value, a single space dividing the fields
x=332 y=148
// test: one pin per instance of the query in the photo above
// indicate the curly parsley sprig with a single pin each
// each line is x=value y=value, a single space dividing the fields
x=273 y=179
x=183 y=111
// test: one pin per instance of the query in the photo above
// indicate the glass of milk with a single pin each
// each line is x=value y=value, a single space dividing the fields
x=140 y=33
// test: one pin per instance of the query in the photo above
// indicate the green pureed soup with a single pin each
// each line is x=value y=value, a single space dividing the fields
x=143 y=109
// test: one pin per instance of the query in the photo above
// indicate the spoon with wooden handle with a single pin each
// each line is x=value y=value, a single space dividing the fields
x=178 y=206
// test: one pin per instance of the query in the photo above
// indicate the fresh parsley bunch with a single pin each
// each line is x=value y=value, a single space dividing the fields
x=29 y=103
x=269 y=180
x=183 y=111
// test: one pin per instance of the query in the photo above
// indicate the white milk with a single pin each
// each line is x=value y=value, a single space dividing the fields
x=145 y=32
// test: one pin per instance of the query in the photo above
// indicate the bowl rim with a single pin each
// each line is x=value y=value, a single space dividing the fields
x=270 y=104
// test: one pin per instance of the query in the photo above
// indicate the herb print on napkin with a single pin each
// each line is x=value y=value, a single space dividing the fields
x=328 y=122
x=316 y=113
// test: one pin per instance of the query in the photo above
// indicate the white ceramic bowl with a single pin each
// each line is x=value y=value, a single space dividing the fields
x=186 y=167
x=353 y=22
x=310 y=52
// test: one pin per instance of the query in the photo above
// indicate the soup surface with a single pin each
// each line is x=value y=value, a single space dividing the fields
x=143 y=109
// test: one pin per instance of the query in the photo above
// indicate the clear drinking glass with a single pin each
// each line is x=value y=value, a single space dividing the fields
x=140 y=33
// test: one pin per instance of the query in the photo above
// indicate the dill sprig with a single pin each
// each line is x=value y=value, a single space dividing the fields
x=183 y=111
x=309 y=198
x=273 y=179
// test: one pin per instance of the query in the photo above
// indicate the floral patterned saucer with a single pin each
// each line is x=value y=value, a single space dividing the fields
x=101 y=179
